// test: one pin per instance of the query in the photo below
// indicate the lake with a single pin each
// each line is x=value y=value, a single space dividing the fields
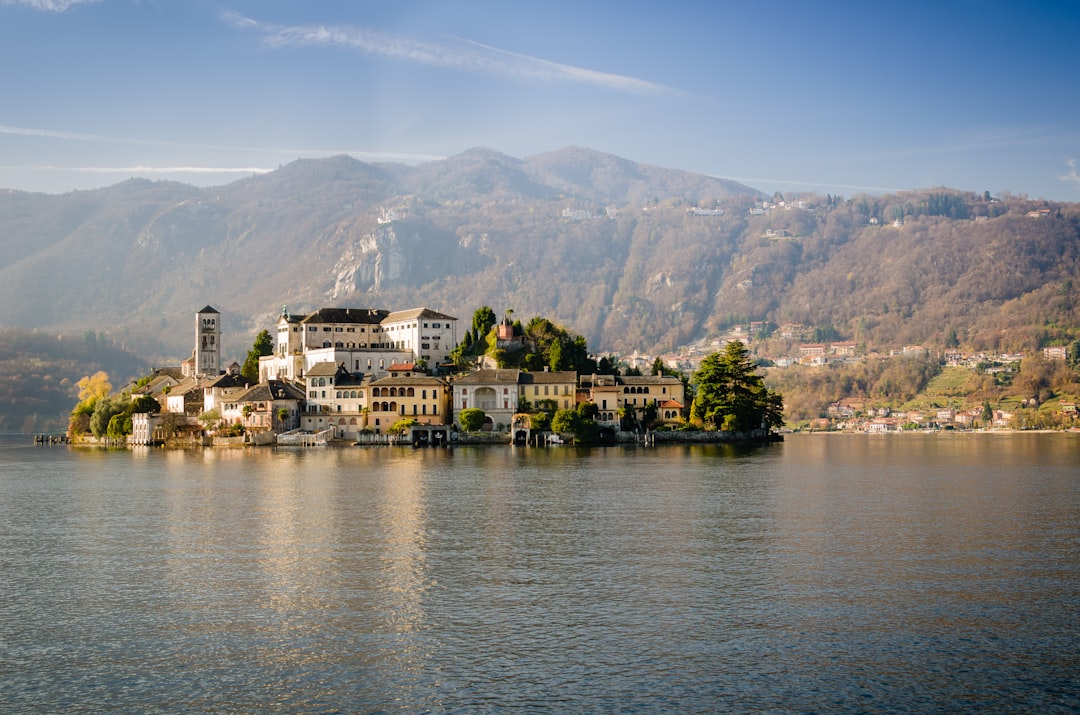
x=824 y=574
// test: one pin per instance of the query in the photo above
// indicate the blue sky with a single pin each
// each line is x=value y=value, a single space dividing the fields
x=839 y=97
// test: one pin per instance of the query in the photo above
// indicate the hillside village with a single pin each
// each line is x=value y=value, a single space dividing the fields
x=354 y=375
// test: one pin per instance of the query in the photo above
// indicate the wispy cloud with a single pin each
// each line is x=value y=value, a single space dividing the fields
x=977 y=140
x=364 y=155
x=466 y=55
x=143 y=170
x=1070 y=176
x=48 y=5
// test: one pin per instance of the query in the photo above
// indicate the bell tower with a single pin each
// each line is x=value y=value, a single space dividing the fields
x=207 y=342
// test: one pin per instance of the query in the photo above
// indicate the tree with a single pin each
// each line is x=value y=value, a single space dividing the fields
x=92 y=389
x=210 y=419
x=402 y=426
x=264 y=345
x=483 y=321
x=540 y=421
x=104 y=411
x=471 y=419
x=731 y=396
x=564 y=421
x=145 y=403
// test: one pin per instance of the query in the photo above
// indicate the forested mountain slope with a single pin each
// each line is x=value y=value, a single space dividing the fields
x=612 y=249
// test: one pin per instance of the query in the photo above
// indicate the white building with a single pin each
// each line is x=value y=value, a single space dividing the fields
x=362 y=339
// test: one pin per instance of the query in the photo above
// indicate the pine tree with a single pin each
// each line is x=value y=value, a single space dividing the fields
x=731 y=396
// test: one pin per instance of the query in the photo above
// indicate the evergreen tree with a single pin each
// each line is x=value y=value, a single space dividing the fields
x=264 y=345
x=731 y=396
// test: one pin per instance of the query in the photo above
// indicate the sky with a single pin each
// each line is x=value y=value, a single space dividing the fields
x=841 y=97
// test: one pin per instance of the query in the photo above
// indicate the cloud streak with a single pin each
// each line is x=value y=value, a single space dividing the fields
x=141 y=170
x=48 y=5
x=405 y=157
x=466 y=56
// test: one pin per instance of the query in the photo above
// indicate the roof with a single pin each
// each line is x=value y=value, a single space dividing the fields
x=413 y=381
x=488 y=376
x=414 y=313
x=649 y=380
x=186 y=386
x=548 y=378
x=347 y=315
x=208 y=309
x=228 y=380
x=272 y=390
x=322 y=369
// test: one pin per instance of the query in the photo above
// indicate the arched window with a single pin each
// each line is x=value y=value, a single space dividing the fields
x=393 y=407
x=411 y=392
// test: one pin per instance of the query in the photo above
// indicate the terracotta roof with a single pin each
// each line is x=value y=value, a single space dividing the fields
x=415 y=380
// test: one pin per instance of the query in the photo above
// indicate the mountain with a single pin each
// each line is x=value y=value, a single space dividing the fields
x=633 y=257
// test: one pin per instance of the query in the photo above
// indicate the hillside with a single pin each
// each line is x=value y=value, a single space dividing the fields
x=630 y=266
x=39 y=372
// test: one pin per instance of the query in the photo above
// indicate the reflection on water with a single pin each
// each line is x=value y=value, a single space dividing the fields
x=828 y=573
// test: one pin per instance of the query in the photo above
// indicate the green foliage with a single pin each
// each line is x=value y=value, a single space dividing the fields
x=471 y=419
x=104 y=410
x=731 y=396
x=402 y=426
x=145 y=403
x=210 y=419
x=564 y=421
x=540 y=421
x=587 y=410
x=263 y=346
x=483 y=321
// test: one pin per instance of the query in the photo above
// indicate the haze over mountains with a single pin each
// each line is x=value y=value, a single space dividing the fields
x=608 y=248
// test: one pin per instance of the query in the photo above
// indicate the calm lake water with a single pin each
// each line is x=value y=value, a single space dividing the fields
x=825 y=574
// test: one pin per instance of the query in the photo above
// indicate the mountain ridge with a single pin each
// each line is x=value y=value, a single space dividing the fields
x=617 y=251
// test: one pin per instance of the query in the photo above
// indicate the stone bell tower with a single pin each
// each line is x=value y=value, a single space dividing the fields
x=207 y=342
